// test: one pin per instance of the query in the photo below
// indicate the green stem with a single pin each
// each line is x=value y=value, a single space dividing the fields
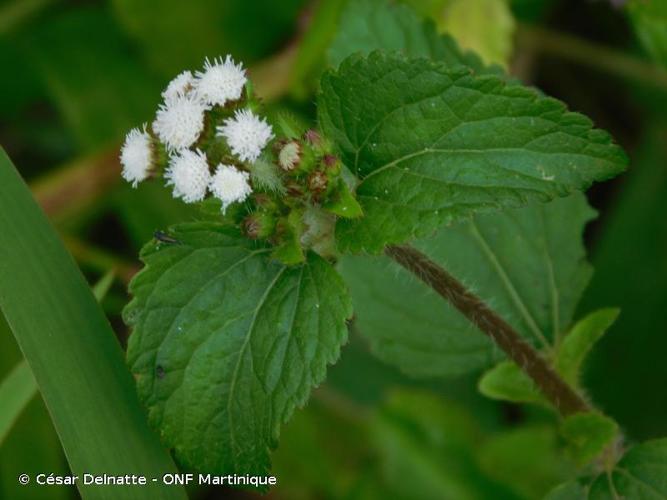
x=564 y=398
x=591 y=54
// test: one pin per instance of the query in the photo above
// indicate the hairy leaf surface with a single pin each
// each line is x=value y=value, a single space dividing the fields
x=432 y=144
x=226 y=343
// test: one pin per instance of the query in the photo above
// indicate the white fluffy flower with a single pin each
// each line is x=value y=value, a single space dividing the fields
x=179 y=86
x=230 y=185
x=220 y=81
x=136 y=156
x=179 y=122
x=246 y=134
x=188 y=172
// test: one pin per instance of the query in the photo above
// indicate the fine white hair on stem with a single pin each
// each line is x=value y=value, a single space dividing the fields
x=136 y=156
x=229 y=185
x=179 y=86
x=220 y=81
x=179 y=122
x=189 y=174
x=246 y=134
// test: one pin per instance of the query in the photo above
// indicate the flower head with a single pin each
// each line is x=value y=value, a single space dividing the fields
x=220 y=81
x=179 y=86
x=246 y=134
x=179 y=122
x=188 y=172
x=136 y=156
x=290 y=155
x=230 y=185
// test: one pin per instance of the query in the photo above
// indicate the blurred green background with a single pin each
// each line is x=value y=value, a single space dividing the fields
x=77 y=74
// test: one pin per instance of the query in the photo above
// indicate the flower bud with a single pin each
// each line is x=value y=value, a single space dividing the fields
x=259 y=225
x=289 y=156
x=313 y=138
x=317 y=182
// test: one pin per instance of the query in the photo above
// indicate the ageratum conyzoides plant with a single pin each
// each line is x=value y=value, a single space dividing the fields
x=419 y=164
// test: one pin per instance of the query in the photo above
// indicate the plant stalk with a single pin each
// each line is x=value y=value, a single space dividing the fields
x=564 y=398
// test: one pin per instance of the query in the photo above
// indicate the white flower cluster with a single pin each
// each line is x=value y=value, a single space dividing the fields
x=179 y=123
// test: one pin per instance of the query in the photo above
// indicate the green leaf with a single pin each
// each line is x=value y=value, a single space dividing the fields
x=343 y=204
x=69 y=344
x=640 y=475
x=16 y=391
x=227 y=343
x=629 y=259
x=528 y=264
x=19 y=387
x=368 y=25
x=507 y=382
x=432 y=145
x=483 y=26
x=588 y=434
x=578 y=343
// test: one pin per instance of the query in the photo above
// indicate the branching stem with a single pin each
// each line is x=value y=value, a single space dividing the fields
x=560 y=394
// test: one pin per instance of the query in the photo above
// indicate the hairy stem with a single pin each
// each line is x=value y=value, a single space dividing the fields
x=561 y=395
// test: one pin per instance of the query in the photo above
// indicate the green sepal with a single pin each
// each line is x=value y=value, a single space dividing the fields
x=289 y=251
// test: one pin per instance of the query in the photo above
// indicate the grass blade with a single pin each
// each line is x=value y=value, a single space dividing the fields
x=16 y=391
x=73 y=353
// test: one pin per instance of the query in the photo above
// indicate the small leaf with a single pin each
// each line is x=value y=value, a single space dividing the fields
x=343 y=203
x=588 y=434
x=507 y=382
x=578 y=343
x=432 y=145
x=227 y=343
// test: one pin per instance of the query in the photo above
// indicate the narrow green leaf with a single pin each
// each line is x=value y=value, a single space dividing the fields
x=16 y=391
x=528 y=264
x=20 y=386
x=226 y=343
x=578 y=343
x=437 y=144
x=368 y=25
x=507 y=382
x=588 y=434
x=68 y=343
